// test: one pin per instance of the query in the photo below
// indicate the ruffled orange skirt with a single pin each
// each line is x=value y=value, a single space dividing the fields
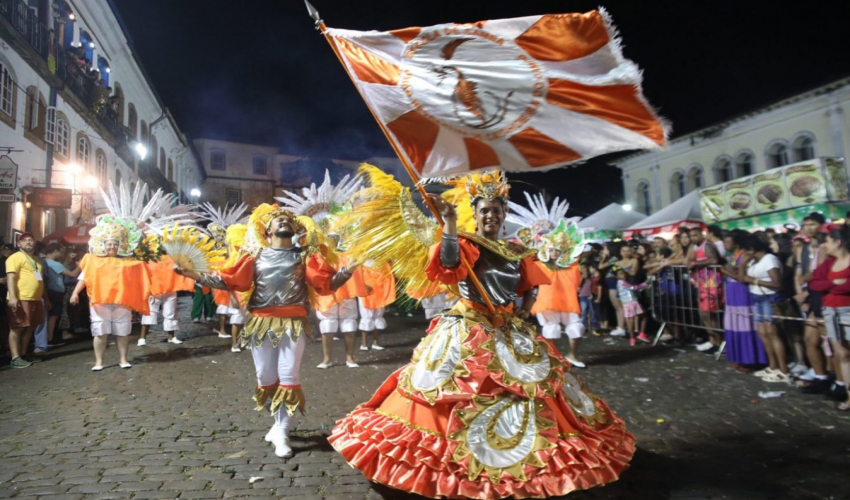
x=484 y=413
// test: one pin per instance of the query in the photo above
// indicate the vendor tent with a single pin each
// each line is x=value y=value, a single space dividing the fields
x=612 y=217
x=684 y=212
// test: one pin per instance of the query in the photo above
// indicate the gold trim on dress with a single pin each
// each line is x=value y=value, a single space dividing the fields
x=508 y=250
x=292 y=397
x=410 y=425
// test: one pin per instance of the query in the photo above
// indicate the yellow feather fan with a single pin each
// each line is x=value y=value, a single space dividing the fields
x=459 y=197
x=191 y=249
x=390 y=228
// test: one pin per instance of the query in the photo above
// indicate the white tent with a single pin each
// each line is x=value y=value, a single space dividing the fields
x=683 y=212
x=612 y=217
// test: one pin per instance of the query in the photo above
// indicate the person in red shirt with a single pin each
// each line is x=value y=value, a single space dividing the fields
x=832 y=278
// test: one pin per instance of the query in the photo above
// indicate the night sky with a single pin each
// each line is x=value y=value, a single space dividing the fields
x=258 y=72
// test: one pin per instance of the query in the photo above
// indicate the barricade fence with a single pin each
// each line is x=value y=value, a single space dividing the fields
x=697 y=298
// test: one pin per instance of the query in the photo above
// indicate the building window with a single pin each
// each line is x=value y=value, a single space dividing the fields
x=723 y=170
x=153 y=150
x=234 y=197
x=50 y=137
x=83 y=151
x=695 y=178
x=62 y=139
x=170 y=174
x=260 y=165
x=643 y=200
x=132 y=121
x=804 y=149
x=32 y=108
x=677 y=185
x=217 y=161
x=100 y=167
x=7 y=93
x=162 y=160
x=744 y=165
x=117 y=177
x=777 y=155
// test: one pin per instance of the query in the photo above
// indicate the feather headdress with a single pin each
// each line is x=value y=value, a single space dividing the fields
x=320 y=202
x=222 y=218
x=547 y=228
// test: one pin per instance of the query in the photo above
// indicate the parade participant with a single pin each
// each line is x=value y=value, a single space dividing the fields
x=559 y=243
x=116 y=284
x=278 y=274
x=379 y=285
x=25 y=309
x=220 y=220
x=164 y=287
x=325 y=205
x=486 y=408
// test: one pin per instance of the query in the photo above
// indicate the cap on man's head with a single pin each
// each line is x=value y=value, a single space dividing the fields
x=24 y=235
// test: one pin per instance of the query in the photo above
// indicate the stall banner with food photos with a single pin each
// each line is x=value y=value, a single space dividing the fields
x=797 y=185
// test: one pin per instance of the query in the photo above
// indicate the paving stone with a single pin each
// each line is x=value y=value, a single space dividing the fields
x=202 y=494
x=186 y=485
x=140 y=486
x=93 y=488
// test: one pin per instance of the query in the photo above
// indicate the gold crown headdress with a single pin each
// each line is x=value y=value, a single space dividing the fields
x=488 y=185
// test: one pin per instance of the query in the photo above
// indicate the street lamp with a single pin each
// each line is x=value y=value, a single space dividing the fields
x=195 y=192
x=627 y=207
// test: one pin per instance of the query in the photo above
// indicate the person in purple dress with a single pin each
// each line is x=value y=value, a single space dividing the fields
x=743 y=346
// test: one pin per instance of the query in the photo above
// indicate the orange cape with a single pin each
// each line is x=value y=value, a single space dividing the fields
x=165 y=280
x=562 y=294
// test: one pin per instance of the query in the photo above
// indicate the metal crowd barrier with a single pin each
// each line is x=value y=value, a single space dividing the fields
x=675 y=297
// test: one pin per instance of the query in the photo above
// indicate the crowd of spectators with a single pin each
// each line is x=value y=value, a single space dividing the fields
x=777 y=303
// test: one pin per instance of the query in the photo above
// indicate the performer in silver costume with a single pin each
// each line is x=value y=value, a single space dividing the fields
x=279 y=273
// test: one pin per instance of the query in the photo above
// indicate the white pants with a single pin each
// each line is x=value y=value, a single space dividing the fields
x=222 y=310
x=551 y=321
x=237 y=316
x=279 y=365
x=110 y=320
x=168 y=303
x=436 y=304
x=371 y=319
x=340 y=317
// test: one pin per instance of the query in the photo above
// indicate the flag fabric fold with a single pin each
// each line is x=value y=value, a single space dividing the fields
x=522 y=94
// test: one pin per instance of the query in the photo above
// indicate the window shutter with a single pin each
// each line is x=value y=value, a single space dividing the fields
x=50 y=135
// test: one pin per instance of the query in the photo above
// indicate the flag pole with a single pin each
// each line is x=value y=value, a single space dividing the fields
x=414 y=176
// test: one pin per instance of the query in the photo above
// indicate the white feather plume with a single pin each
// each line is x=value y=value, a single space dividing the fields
x=224 y=217
x=538 y=214
x=318 y=201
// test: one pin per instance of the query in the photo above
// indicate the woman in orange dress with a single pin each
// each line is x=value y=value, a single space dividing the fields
x=486 y=408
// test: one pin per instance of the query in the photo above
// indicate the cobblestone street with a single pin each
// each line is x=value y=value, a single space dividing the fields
x=180 y=424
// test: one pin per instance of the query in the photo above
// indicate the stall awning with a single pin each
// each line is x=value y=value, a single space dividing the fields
x=684 y=212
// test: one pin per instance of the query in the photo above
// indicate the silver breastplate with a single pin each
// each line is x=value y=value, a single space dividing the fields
x=499 y=277
x=279 y=279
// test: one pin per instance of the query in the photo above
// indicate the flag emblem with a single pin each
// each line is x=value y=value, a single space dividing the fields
x=522 y=94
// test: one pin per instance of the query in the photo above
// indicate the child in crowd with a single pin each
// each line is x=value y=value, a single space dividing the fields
x=627 y=293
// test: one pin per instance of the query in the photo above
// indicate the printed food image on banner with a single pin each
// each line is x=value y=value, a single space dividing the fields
x=739 y=198
x=712 y=204
x=805 y=183
x=837 y=176
x=770 y=192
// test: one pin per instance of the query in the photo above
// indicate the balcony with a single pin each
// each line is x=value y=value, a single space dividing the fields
x=149 y=173
x=31 y=38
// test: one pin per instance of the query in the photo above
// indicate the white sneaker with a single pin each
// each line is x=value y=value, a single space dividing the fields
x=196 y=320
x=222 y=335
x=141 y=342
x=808 y=375
x=235 y=349
x=705 y=346
x=270 y=435
x=617 y=332
x=282 y=448
x=376 y=347
x=351 y=365
x=323 y=366
x=174 y=340
x=767 y=371
x=799 y=369
x=575 y=362
x=210 y=319
x=364 y=348
x=666 y=337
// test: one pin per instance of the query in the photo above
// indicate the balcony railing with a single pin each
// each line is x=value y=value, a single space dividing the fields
x=26 y=22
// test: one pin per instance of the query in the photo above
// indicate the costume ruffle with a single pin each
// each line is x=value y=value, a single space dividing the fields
x=260 y=327
x=290 y=396
x=484 y=413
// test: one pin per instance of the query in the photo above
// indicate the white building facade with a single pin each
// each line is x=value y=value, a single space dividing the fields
x=809 y=125
x=70 y=130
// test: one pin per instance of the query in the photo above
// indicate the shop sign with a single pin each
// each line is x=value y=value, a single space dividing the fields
x=8 y=173
x=52 y=198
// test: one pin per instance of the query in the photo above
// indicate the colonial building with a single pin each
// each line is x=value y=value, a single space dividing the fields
x=77 y=111
x=249 y=173
x=809 y=125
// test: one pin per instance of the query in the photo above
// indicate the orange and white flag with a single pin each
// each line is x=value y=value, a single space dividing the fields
x=523 y=94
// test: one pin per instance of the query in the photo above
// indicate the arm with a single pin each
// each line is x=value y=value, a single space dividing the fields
x=775 y=282
x=322 y=277
x=531 y=277
x=75 y=295
x=72 y=274
x=819 y=281
x=12 y=279
x=599 y=293
x=239 y=277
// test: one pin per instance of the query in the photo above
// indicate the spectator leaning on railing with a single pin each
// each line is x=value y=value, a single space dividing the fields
x=743 y=346
x=832 y=278
x=809 y=256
